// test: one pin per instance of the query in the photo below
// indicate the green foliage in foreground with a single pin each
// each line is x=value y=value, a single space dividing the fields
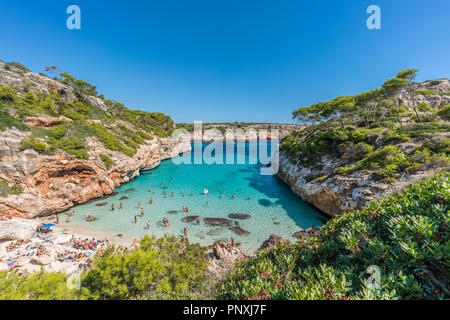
x=39 y=286
x=407 y=236
x=164 y=268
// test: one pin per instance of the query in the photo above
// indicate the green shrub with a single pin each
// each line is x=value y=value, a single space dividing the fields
x=71 y=145
x=7 y=94
x=424 y=107
x=17 y=65
x=39 y=286
x=106 y=160
x=165 y=268
x=444 y=113
x=31 y=142
x=6 y=189
x=344 y=171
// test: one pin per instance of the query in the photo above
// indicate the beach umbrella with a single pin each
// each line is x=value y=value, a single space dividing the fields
x=48 y=225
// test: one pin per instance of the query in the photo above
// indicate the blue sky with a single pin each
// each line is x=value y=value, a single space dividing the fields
x=234 y=60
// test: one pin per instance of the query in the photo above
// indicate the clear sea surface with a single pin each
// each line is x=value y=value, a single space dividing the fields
x=274 y=209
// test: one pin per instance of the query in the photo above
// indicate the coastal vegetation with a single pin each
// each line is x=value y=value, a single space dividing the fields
x=368 y=130
x=404 y=238
x=396 y=248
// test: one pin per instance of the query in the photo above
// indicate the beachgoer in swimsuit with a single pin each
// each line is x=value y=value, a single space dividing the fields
x=198 y=219
x=148 y=225
x=184 y=208
x=121 y=205
x=139 y=204
x=112 y=206
x=142 y=212
x=172 y=194
x=234 y=196
x=187 y=209
x=151 y=200
x=185 y=232
x=135 y=219
x=206 y=203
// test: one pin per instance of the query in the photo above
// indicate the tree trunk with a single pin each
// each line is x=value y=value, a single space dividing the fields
x=413 y=98
x=398 y=113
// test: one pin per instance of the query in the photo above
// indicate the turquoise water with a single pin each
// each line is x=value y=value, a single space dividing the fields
x=274 y=209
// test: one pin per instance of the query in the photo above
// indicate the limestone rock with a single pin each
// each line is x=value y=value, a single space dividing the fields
x=17 y=229
x=272 y=241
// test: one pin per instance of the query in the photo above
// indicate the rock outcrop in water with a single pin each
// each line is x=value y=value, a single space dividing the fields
x=222 y=222
x=239 y=216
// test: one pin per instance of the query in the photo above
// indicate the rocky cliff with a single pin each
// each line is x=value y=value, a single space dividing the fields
x=339 y=169
x=42 y=183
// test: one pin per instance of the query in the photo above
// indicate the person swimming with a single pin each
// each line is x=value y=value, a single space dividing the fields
x=205 y=191
x=233 y=196
x=172 y=194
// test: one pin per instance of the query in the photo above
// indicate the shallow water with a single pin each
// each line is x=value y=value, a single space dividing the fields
x=274 y=209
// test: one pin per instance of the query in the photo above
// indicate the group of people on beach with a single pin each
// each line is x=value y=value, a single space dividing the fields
x=86 y=244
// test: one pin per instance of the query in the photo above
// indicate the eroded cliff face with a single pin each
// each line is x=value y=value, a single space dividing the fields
x=54 y=183
x=337 y=194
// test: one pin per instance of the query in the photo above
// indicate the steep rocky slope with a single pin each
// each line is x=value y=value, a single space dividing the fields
x=338 y=166
x=38 y=180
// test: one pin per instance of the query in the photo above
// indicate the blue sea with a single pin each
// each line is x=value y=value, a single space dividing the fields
x=274 y=209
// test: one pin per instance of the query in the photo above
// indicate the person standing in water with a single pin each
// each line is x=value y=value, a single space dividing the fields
x=142 y=212
x=198 y=219
x=207 y=203
x=135 y=219
x=184 y=208
x=148 y=225
x=139 y=204
x=151 y=200
x=185 y=232
x=112 y=207
x=187 y=209
x=120 y=205
x=57 y=219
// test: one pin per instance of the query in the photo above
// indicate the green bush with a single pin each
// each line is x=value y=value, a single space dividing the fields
x=106 y=160
x=404 y=236
x=39 y=286
x=31 y=142
x=7 y=94
x=444 y=113
x=344 y=171
x=72 y=146
x=165 y=268
x=388 y=160
x=6 y=189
